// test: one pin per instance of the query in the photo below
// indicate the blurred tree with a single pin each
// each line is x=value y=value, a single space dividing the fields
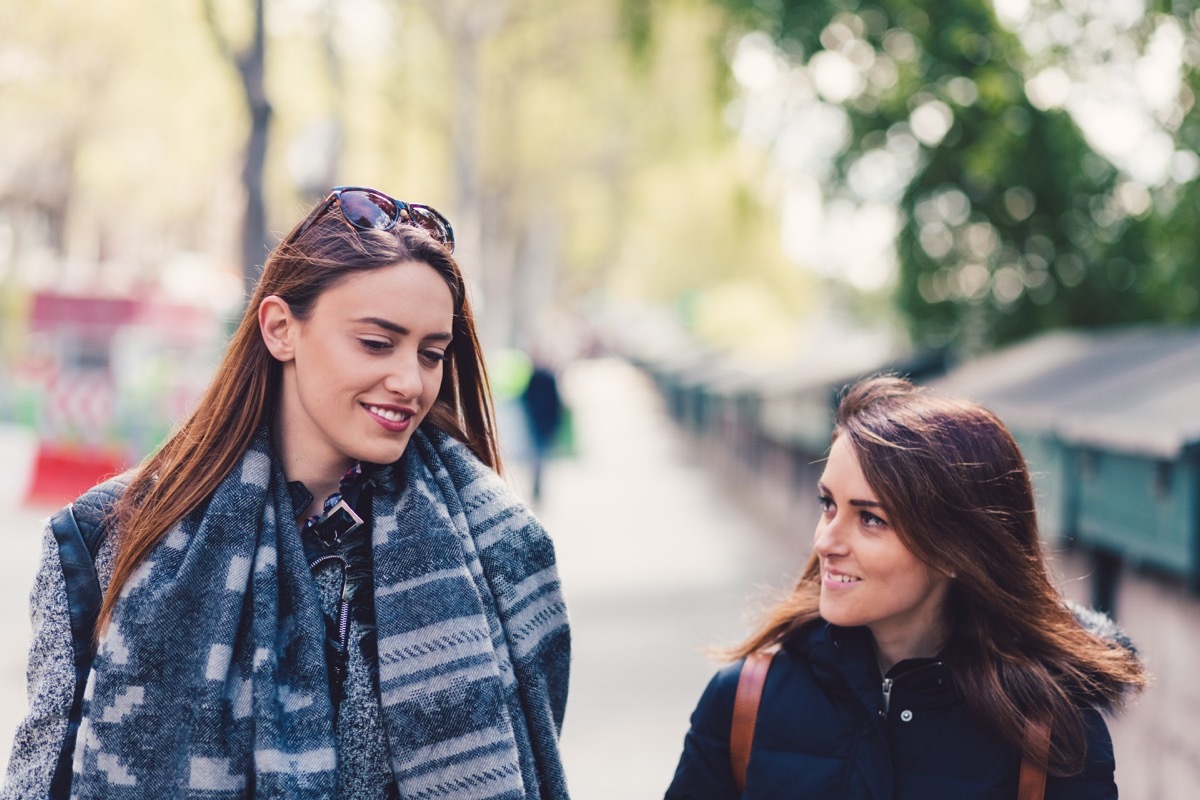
x=1010 y=222
x=596 y=151
x=468 y=30
x=1165 y=248
x=250 y=62
x=117 y=146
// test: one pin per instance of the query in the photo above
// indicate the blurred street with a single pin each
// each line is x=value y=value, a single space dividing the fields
x=658 y=562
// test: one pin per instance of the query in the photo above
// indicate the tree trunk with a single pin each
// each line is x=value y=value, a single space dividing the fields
x=467 y=26
x=252 y=66
x=464 y=138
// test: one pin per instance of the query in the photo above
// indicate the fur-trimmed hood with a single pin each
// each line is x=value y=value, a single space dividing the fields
x=1102 y=625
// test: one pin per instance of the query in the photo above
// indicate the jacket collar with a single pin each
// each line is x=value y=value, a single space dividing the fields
x=843 y=660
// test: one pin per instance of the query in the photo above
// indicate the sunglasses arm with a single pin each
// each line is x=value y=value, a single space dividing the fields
x=314 y=215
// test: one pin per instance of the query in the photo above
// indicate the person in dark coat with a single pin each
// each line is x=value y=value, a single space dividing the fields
x=543 y=408
x=924 y=632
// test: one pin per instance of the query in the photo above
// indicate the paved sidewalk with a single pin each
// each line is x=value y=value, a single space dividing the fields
x=657 y=565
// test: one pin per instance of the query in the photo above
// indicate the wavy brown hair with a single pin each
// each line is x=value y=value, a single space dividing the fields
x=183 y=474
x=958 y=495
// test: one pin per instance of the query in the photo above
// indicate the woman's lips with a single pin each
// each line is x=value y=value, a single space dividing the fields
x=838 y=580
x=391 y=418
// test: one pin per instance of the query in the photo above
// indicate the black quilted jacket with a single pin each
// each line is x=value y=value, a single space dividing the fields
x=823 y=733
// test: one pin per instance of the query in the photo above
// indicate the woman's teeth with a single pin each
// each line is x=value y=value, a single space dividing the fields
x=387 y=413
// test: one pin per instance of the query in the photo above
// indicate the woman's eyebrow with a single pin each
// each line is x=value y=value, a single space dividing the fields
x=821 y=487
x=400 y=330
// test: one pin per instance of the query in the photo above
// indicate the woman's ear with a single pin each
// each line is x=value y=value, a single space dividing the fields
x=278 y=327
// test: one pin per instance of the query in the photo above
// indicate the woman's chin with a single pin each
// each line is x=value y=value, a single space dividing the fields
x=832 y=613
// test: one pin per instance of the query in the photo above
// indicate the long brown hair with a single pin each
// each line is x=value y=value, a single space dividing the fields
x=959 y=497
x=183 y=474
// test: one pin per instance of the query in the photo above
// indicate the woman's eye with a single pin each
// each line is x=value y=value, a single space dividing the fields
x=375 y=345
x=825 y=503
x=872 y=521
x=433 y=357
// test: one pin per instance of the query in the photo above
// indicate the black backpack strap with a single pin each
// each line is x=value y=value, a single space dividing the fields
x=93 y=508
x=79 y=530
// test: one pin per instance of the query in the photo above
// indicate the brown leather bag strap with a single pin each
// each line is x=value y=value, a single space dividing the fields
x=745 y=711
x=1032 y=785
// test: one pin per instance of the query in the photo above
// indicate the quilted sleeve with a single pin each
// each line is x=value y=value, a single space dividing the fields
x=704 y=771
x=1096 y=781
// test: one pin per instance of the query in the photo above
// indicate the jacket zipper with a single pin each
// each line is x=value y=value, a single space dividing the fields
x=344 y=624
x=343 y=600
x=888 y=683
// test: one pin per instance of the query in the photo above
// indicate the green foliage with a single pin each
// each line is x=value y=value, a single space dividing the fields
x=637 y=27
x=1011 y=221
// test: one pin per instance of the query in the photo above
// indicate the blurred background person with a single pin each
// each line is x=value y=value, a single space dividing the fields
x=543 y=407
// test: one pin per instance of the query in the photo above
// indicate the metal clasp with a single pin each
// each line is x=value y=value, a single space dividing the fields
x=335 y=523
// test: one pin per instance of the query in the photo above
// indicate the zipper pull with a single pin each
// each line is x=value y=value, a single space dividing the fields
x=887 y=697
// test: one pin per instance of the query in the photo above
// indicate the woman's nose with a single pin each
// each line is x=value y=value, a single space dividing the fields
x=829 y=539
x=404 y=377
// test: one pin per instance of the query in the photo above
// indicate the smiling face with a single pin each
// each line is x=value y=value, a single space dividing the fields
x=868 y=577
x=361 y=371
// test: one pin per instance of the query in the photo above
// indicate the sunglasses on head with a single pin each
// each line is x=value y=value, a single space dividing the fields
x=369 y=209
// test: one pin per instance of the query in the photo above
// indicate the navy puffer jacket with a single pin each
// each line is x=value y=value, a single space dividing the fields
x=826 y=731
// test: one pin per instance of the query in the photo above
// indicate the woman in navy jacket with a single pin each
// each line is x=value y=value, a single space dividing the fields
x=924 y=631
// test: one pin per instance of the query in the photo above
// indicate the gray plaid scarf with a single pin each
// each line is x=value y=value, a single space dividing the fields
x=210 y=682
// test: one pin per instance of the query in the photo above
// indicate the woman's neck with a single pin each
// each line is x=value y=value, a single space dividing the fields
x=321 y=476
x=889 y=653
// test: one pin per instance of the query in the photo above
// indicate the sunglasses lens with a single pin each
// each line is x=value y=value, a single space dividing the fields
x=368 y=210
x=432 y=221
